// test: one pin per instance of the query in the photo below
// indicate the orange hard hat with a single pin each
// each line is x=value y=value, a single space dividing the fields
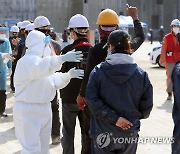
x=108 y=17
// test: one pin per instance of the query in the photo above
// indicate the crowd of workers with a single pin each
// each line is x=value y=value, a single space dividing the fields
x=96 y=83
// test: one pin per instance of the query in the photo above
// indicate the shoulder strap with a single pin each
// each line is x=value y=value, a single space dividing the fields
x=82 y=43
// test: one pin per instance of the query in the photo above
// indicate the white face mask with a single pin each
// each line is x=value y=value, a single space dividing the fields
x=175 y=30
x=2 y=36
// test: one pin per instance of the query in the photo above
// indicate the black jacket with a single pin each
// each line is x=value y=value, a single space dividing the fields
x=176 y=108
x=97 y=54
x=71 y=91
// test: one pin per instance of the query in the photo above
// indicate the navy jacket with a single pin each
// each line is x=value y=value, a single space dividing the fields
x=113 y=91
x=176 y=108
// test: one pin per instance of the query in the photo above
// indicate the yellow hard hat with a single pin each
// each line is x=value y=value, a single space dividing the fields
x=108 y=17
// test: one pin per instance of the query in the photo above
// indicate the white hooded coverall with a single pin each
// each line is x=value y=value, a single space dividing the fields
x=35 y=86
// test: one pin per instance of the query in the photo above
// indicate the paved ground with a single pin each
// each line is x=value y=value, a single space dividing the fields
x=159 y=124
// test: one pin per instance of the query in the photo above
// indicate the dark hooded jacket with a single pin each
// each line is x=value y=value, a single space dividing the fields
x=176 y=108
x=118 y=88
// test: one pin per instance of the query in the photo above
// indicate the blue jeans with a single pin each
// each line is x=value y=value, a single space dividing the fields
x=123 y=148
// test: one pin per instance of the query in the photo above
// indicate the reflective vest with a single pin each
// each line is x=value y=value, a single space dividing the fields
x=173 y=49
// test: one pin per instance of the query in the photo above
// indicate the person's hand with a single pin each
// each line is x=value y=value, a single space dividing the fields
x=71 y=56
x=76 y=73
x=132 y=11
x=15 y=41
x=123 y=123
x=7 y=57
x=81 y=102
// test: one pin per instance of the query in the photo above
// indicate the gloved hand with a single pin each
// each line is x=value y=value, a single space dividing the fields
x=5 y=55
x=71 y=56
x=76 y=73
x=81 y=102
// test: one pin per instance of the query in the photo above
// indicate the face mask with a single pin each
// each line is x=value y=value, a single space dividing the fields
x=175 y=30
x=2 y=36
x=48 y=49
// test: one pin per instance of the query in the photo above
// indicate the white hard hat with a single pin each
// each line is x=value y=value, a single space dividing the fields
x=175 y=22
x=14 y=29
x=41 y=21
x=24 y=24
x=78 y=20
x=30 y=27
x=19 y=24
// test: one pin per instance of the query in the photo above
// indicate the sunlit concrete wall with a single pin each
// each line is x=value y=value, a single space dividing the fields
x=17 y=9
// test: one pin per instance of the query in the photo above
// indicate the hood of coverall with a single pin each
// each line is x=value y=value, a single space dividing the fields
x=35 y=43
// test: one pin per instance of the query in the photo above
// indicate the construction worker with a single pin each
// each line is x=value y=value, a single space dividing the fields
x=176 y=108
x=170 y=53
x=29 y=28
x=36 y=83
x=112 y=97
x=5 y=51
x=42 y=24
x=78 y=27
x=107 y=22
x=14 y=40
x=19 y=26
x=21 y=46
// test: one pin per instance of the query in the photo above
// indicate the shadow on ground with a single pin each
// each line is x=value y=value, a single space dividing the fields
x=7 y=135
x=6 y=119
x=167 y=106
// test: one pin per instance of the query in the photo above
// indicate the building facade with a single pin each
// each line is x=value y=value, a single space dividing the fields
x=155 y=12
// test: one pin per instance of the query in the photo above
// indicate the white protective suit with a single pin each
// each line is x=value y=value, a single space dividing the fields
x=35 y=86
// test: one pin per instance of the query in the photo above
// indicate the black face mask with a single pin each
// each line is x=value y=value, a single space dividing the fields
x=14 y=35
x=178 y=37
